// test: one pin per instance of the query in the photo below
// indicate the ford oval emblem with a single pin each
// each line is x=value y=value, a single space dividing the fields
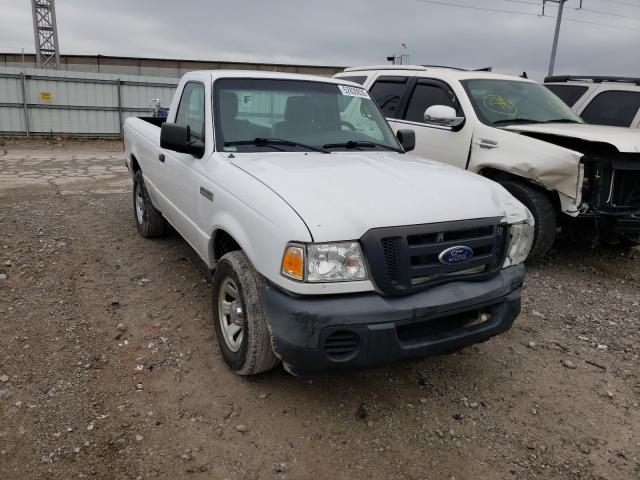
x=455 y=255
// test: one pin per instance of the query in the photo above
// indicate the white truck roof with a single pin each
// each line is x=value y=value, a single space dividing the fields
x=216 y=74
x=449 y=73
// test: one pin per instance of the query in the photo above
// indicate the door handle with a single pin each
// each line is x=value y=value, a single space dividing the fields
x=161 y=157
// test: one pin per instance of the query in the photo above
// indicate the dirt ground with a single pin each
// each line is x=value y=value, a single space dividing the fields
x=84 y=397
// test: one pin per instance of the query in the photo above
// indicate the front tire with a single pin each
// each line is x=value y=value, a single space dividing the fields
x=543 y=213
x=238 y=319
x=149 y=221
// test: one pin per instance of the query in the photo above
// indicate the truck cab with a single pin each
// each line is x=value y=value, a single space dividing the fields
x=330 y=246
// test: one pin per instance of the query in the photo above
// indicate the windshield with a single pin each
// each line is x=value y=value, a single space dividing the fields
x=510 y=102
x=255 y=115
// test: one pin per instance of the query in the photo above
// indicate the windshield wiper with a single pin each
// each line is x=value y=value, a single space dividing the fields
x=360 y=143
x=259 y=142
x=515 y=120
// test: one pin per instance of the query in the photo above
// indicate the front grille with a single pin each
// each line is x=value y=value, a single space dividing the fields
x=625 y=191
x=390 y=247
x=341 y=345
x=404 y=260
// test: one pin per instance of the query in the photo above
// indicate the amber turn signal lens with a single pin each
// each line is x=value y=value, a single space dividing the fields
x=293 y=262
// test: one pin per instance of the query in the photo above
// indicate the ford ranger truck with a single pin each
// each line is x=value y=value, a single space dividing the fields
x=578 y=180
x=330 y=247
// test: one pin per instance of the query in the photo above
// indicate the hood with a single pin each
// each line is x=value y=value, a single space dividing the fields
x=624 y=139
x=340 y=196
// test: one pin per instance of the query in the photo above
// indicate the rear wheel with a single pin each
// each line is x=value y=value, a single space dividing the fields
x=238 y=319
x=543 y=213
x=149 y=221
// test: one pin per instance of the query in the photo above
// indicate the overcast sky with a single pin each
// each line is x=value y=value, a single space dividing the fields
x=346 y=32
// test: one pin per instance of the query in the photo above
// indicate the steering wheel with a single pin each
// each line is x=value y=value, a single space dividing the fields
x=349 y=125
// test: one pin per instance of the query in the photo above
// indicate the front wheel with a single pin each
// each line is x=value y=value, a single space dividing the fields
x=543 y=213
x=238 y=319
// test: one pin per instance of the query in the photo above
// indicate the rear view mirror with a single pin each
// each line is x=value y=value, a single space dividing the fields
x=442 y=115
x=407 y=139
x=178 y=138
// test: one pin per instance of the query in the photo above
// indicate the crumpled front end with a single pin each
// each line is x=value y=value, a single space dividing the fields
x=597 y=182
x=545 y=163
x=611 y=193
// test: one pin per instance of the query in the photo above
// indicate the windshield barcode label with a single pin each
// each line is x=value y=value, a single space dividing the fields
x=353 y=91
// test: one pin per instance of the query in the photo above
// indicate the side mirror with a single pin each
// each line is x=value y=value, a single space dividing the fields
x=178 y=138
x=407 y=139
x=443 y=116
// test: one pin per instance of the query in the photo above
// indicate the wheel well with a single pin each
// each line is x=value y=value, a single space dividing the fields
x=135 y=166
x=223 y=243
x=499 y=176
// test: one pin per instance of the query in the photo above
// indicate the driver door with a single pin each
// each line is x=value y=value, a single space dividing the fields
x=182 y=173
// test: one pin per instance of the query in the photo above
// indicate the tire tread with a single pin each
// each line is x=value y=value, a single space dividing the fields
x=155 y=225
x=543 y=213
x=259 y=355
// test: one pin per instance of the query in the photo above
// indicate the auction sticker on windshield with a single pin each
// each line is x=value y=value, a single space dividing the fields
x=353 y=91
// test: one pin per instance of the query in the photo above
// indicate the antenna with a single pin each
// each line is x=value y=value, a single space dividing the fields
x=46 y=34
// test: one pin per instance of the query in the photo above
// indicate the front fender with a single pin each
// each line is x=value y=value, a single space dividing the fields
x=262 y=224
x=551 y=166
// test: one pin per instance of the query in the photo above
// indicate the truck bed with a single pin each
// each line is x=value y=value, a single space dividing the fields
x=157 y=121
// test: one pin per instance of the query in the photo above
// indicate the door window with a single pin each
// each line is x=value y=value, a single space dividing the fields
x=191 y=110
x=615 y=107
x=387 y=92
x=357 y=79
x=569 y=94
x=426 y=95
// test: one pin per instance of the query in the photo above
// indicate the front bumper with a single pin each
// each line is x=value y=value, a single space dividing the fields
x=320 y=333
x=623 y=223
x=603 y=222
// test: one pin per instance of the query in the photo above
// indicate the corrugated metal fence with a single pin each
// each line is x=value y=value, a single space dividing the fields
x=36 y=102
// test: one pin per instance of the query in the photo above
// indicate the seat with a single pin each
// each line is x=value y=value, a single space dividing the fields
x=233 y=129
x=327 y=116
x=298 y=118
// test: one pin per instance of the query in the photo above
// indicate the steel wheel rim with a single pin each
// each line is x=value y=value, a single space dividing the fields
x=139 y=205
x=230 y=314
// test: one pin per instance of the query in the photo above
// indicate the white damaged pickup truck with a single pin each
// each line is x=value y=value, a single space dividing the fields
x=330 y=247
x=581 y=181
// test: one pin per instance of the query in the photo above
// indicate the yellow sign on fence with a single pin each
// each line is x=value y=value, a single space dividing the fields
x=46 y=96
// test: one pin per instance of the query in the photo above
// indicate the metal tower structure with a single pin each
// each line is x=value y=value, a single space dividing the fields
x=46 y=34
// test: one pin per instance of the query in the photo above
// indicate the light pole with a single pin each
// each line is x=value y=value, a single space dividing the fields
x=554 y=48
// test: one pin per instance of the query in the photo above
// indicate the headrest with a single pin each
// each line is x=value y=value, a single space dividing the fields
x=228 y=105
x=299 y=109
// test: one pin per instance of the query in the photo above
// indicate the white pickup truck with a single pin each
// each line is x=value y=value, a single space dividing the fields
x=577 y=179
x=330 y=247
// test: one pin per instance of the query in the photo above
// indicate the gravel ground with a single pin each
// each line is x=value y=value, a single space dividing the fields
x=109 y=367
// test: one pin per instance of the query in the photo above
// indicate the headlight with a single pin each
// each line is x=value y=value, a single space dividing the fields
x=324 y=262
x=520 y=241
